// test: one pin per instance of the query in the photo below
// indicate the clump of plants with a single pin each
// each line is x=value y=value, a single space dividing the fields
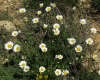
x=52 y=45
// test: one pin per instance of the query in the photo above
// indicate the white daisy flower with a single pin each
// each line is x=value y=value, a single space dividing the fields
x=22 y=10
x=48 y=9
x=60 y=56
x=45 y=26
x=22 y=64
x=93 y=30
x=53 y=4
x=39 y=12
x=26 y=19
x=71 y=41
x=56 y=56
x=16 y=48
x=65 y=72
x=95 y=57
x=56 y=31
x=42 y=45
x=41 y=5
x=89 y=41
x=14 y=33
x=82 y=21
x=74 y=8
x=59 y=17
x=9 y=45
x=35 y=20
x=57 y=72
x=26 y=68
x=78 y=48
x=19 y=31
x=42 y=69
x=56 y=26
x=44 y=49
x=99 y=72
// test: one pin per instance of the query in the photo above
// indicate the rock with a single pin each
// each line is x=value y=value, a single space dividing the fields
x=1 y=1
x=9 y=26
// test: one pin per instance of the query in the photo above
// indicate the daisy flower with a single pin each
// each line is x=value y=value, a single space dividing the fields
x=41 y=5
x=57 y=72
x=59 y=17
x=22 y=10
x=42 y=45
x=99 y=72
x=56 y=31
x=22 y=64
x=71 y=41
x=93 y=30
x=39 y=12
x=26 y=68
x=35 y=20
x=56 y=56
x=82 y=21
x=9 y=45
x=14 y=33
x=56 y=26
x=42 y=69
x=74 y=8
x=45 y=26
x=60 y=56
x=16 y=48
x=65 y=72
x=89 y=41
x=48 y=9
x=44 y=49
x=19 y=31
x=26 y=19
x=53 y=4
x=78 y=48
x=95 y=57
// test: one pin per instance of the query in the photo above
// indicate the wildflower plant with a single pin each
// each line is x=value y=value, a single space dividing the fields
x=51 y=46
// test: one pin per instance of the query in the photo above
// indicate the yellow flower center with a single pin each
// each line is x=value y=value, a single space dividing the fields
x=78 y=49
x=94 y=57
x=93 y=31
x=42 y=69
x=59 y=17
x=45 y=26
x=23 y=64
x=35 y=20
x=48 y=9
x=82 y=22
x=56 y=32
x=39 y=13
x=72 y=41
x=26 y=20
x=40 y=77
x=15 y=34
x=9 y=46
x=26 y=69
x=56 y=26
x=42 y=46
x=17 y=48
x=54 y=5
x=65 y=73
x=60 y=56
x=57 y=72
x=44 y=50
x=23 y=11
x=89 y=41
